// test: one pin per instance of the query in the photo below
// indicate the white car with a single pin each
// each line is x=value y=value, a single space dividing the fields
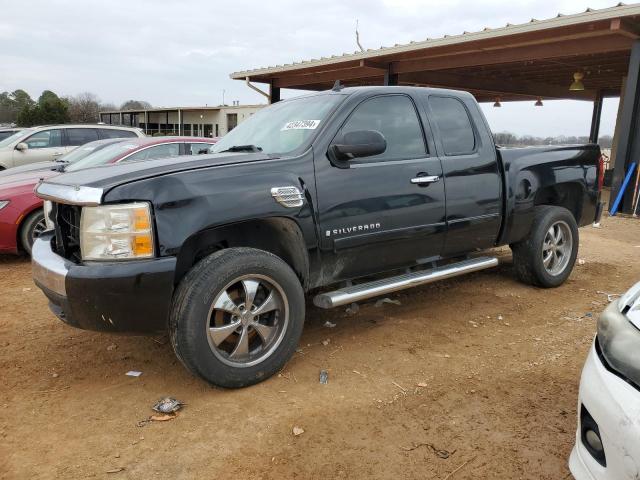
x=608 y=437
x=40 y=144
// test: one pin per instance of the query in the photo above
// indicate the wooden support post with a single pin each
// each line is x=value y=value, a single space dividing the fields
x=274 y=93
x=628 y=150
x=389 y=77
x=595 y=118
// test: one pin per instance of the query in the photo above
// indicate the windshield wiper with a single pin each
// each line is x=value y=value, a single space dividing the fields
x=242 y=148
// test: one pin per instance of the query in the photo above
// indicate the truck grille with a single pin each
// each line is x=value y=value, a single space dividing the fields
x=67 y=232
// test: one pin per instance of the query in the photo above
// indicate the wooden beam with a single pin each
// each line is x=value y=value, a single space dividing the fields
x=294 y=81
x=623 y=27
x=372 y=64
x=581 y=46
x=449 y=80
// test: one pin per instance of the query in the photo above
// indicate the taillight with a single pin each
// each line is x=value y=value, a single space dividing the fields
x=600 y=172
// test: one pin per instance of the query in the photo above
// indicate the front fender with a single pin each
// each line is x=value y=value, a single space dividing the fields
x=189 y=202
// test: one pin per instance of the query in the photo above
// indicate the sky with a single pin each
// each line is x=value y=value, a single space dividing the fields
x=172 y=53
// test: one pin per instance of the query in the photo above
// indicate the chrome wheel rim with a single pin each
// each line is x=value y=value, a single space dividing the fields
x=38 y=229
x=557 y=247
x=247 y=320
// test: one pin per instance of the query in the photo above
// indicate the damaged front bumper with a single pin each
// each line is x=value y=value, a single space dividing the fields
x=125 y=297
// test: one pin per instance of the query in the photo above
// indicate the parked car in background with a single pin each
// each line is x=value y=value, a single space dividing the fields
x=39 y=144
x=21 y=212
x=59 y=163
x=7 y=132
x=608 y=435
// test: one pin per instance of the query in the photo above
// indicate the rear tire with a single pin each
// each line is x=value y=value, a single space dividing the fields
x=547 y=256
x=31 y=228
x=237 y=316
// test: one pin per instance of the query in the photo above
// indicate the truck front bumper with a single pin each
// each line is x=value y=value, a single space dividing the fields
x=124 y=297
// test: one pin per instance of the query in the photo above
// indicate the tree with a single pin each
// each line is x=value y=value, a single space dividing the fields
x=84 y=108
x=135 y=105
x=108 y=106
x=50 y=109
x=12 y=103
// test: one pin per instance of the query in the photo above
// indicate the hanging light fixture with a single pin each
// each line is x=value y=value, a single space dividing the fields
x=577 y=84
x=497 y=103
x=539 y=102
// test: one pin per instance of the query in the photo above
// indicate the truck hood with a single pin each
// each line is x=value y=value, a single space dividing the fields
x=108 y=176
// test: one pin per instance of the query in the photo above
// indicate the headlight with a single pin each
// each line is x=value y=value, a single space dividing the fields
x=3 y=203
x=48 y=215
x=116 y=232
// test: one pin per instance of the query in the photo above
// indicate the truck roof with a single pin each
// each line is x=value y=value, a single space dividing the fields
x=378 y=89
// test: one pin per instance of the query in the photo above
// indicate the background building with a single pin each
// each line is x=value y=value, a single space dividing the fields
x=190 y=121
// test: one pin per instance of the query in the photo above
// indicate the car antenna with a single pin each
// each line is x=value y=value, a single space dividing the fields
x=337 y=86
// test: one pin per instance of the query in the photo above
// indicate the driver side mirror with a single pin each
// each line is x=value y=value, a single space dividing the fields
x=22 y=146
x=358 y=144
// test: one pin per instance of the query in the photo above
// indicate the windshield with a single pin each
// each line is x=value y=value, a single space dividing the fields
x=84 y=151
x=102 y=157
x=15 y=136
x=282 y=127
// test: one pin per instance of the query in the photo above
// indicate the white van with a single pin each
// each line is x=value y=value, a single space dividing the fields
x=40 y=144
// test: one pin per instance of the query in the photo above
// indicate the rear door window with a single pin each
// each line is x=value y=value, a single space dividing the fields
x=45 y=139
x=454 y=125
x=198 y=148
x=115 y=133
x=80 y=136
x=158 y=151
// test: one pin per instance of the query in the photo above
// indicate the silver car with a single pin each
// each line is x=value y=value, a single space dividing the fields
x=39 y=144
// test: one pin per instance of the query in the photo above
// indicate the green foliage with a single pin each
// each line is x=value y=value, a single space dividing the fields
x=50 y=109
x=11 y=104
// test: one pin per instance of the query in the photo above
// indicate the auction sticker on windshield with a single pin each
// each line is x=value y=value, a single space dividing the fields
x=301 y=125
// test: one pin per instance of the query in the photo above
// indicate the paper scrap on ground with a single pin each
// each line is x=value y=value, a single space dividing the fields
x=133 y=373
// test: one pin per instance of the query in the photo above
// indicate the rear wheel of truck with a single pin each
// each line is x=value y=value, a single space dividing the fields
x=237 y=317
x=546 y=257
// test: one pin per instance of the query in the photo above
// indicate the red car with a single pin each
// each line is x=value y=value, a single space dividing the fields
x=21 y=214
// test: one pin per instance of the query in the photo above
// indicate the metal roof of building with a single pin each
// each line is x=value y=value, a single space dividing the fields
x=534 y=25
x=184 y=109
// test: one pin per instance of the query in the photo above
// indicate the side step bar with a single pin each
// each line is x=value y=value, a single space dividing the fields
x=375 y=288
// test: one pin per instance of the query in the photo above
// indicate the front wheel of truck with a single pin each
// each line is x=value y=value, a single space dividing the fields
x=546 y=257
x=237 y=317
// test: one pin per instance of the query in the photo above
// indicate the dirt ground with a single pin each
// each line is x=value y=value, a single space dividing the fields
x=476 y=377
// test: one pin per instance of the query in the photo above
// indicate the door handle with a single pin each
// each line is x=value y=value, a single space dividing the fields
x=57 y=154
x=425 y=179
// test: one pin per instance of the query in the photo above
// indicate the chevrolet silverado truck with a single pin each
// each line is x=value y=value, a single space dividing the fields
x=346 y=195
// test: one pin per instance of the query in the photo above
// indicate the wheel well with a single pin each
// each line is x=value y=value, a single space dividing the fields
x=567 y=195
x=21 y=225
x=280 y=236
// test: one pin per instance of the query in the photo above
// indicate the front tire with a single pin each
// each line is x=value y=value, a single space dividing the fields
x=32 y=227
x=547 y=256
x=237 y=317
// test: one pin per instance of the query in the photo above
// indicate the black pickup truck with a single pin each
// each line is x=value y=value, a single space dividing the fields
x=350 y=194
